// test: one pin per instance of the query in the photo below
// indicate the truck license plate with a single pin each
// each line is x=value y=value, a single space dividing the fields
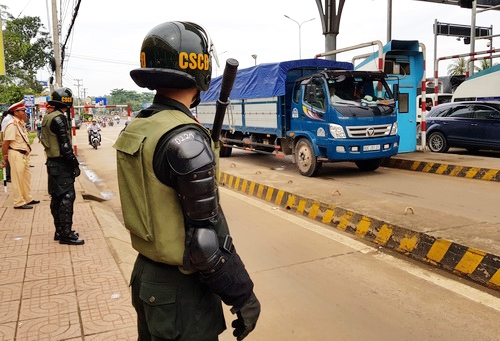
x=371 y=147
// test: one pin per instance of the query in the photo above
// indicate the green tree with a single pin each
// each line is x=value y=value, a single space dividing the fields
x=485 y=64
x=27 y=48
x=133 y=98
x=458 y=67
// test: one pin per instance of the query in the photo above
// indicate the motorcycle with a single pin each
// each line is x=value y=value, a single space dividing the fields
x=95 y=138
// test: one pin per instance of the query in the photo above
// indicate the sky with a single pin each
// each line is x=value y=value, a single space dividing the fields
x=107 y=35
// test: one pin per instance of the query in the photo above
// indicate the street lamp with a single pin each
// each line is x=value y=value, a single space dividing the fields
x=300 y=26
x=254 y=56
x=217 y=64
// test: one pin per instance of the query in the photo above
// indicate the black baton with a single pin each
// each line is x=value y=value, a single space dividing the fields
x=227 y=82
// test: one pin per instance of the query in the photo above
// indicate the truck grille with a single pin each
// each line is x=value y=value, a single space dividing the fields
x=358 y=132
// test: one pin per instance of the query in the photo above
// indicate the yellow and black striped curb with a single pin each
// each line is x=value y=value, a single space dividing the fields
x=444 y=169
x=477 y=265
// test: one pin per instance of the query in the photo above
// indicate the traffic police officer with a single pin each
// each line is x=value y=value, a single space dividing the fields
x=166 y=168
x=62 y=165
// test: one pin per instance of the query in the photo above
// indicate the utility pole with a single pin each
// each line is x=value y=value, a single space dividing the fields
x=79 y=101
x=57 y=49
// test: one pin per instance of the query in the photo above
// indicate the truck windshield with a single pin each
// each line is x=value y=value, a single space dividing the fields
x=360 y=96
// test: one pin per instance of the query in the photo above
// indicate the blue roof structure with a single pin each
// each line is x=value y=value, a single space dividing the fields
x=269 y=79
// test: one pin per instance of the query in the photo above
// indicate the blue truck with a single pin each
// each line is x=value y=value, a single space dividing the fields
x=314 y=109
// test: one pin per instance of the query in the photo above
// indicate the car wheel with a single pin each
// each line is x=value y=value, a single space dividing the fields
x=437 y=143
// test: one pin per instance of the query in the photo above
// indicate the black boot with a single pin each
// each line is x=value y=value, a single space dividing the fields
x=57 y=234
x=69 y=237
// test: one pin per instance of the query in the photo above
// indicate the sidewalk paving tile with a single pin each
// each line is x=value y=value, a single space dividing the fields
x=50 y=291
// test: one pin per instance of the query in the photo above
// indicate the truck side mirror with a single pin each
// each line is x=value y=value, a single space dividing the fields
x=395 y=91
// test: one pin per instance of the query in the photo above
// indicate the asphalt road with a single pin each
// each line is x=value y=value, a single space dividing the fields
x=318 y=284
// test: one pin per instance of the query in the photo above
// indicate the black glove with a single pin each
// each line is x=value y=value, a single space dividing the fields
x=76 y=171
x=247 y=318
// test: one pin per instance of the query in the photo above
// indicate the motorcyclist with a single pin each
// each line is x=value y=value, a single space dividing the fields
x=94 y=127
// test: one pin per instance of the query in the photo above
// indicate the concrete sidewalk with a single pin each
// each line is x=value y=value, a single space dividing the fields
x=50 y=291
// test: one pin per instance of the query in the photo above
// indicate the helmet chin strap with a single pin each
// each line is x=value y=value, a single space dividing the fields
x=196 y=100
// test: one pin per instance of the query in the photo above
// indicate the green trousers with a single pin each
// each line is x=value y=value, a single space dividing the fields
x=173 y=306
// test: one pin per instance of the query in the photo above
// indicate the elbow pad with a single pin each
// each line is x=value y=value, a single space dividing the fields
x=191 y=158
x=231 y=281
x=221 y=269
x=205 y=253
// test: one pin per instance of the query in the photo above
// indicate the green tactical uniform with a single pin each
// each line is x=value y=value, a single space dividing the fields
x=167 y=169
x=178 y=304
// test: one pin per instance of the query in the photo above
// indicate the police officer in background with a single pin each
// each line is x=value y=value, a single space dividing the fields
x=62 y=165
x=166 y=168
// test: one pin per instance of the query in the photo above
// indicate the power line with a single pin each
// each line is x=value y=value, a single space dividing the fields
x=104 y=60
x=75 y=14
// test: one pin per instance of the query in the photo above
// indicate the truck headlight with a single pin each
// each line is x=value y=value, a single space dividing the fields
x=337 y=131
x=394 y=129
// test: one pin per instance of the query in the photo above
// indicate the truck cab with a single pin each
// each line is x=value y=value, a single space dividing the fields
x=342 y=115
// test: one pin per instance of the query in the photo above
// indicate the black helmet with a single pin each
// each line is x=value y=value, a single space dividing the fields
x=62 y=97
x=175 y=55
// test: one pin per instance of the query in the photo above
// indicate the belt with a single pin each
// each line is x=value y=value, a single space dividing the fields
x=59 y=159
x=24 y=152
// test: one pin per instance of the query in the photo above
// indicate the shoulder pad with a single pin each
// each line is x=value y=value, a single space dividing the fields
x=189 y=151
x=60 y=119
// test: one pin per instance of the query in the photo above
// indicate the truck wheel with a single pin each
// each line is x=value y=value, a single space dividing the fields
x=437 y=143
x=306 y=159
x=368 y=165
x=225 y=151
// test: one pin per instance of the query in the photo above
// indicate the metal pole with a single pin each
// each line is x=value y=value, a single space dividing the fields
x=491 y=47
x=300 y=42
x=473 y=31
x=389 y=20
x=217 y=62
x=435 y=64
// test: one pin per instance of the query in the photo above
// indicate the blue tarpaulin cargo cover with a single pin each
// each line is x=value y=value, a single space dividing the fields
x=267 y=80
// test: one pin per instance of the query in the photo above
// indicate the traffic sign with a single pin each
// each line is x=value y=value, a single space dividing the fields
x=29 y=100
x=456 y=30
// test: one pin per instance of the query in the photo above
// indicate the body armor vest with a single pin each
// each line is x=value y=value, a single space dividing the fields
x=48 y=138
x=151 y=210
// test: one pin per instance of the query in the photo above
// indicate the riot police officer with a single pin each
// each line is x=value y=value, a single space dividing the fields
x=62 y=165
x=167 y=169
